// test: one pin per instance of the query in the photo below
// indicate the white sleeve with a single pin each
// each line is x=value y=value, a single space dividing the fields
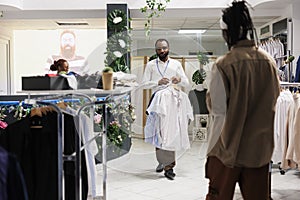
x=217 y=96
x=184 y=80
x=148 y=81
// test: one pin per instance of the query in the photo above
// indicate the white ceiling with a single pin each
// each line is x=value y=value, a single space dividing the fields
x=172 y=19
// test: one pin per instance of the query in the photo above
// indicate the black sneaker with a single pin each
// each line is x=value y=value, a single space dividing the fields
x=170 y=174
x=160 y=168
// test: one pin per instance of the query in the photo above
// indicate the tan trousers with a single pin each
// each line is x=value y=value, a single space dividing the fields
x=253 y=182
x=167 y=158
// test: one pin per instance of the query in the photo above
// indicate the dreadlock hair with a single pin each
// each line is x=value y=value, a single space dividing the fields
x=239 y=22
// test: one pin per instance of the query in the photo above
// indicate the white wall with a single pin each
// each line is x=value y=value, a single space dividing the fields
x=5 y=66
x=33 y=47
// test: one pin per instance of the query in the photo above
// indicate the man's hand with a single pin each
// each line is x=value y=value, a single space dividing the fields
x=175 y=79
x=163 y=81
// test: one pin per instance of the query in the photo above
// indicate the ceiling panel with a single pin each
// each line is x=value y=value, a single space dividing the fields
x=173 y=19
x=96 y=23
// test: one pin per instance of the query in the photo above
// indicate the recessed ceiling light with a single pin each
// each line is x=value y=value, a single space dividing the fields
x=185 y=31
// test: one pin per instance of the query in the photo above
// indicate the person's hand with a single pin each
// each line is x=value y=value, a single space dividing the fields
x=163 y=81
x=175 y=79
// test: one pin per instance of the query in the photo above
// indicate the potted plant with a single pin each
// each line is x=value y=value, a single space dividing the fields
x=199 y=75
x=198 y=95
x=107 y=78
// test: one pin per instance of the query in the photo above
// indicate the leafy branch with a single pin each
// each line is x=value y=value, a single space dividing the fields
x=153 y=8
x=202 y=58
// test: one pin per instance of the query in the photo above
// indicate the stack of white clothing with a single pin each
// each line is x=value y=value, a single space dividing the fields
x=167 y=124
x=125 y=79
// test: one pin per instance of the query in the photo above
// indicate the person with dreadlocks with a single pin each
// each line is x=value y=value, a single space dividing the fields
x=241 y=98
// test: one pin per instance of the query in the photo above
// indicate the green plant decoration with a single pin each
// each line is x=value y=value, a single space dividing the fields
x=118 y=44
x=202 y=58
x=118 y=129
x=115 y=134
x=117 y=21
x=153 y=8
x=154 y=56
x=199 y=76
x=107 y=69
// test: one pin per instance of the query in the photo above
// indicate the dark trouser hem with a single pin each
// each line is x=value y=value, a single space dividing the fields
x=253 y=182
x=165 y=157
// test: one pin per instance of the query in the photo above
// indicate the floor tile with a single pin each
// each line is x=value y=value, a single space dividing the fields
x=133 y=177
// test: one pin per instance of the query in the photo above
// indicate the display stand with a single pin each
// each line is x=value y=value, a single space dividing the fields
x=109 y=96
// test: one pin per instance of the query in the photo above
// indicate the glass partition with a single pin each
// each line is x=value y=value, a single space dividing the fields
x=210 y=41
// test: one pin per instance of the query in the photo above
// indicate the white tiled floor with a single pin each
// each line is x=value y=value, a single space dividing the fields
x=133 y=177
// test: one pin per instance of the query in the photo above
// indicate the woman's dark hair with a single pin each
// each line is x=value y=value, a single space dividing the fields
x=57 y=64
x=239 y=22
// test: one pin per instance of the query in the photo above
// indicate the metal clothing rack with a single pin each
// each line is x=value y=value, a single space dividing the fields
x=110 y=96
x=289 y=84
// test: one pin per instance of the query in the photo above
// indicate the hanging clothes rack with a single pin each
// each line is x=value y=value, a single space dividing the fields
x=104 y=97
x=287 y=129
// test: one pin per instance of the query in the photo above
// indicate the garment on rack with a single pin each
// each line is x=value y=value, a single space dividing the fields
x=173 y=109
x=284 y=106
x=86 y=132
x=12 y=184
x=275 y=48
x=291 y=135
x=198 y=101
x=37 y=152
x=293 y=150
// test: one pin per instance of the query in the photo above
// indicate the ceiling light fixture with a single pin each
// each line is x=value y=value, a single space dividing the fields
x=72 y=23
x=186 y=31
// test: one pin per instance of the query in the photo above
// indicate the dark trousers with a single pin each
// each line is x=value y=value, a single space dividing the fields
x=253 y=182
x=165 y=157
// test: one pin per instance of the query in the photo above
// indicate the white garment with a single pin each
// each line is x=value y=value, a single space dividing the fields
x=157 y=69
x=72 y=81
x=175 y=110
x=152 y=130
x=87 y=133
x=284 y=103
x=291 y=158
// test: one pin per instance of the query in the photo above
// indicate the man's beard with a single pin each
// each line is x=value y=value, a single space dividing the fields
x=163 y=56
x=68 y=53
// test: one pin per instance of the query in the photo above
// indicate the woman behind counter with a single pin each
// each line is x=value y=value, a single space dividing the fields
x=61 y=66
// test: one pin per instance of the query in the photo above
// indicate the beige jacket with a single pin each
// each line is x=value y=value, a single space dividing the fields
x=246 y=110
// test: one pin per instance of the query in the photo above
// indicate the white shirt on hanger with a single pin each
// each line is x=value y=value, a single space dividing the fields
x=175 y=110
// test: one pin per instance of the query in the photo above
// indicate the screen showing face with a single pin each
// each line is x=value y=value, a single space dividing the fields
x=36 y=50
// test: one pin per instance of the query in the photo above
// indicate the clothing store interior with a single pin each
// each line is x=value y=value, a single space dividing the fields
x=73 y=135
